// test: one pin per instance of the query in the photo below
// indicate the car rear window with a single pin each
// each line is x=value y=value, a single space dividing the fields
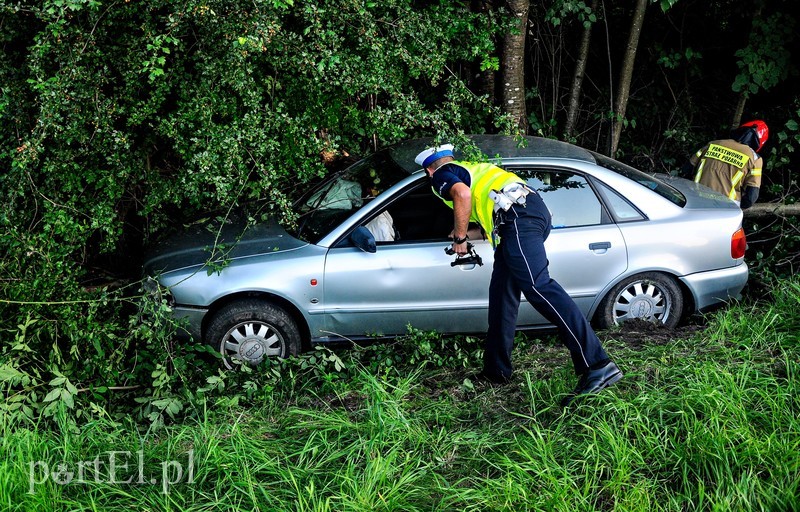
x=646 y=180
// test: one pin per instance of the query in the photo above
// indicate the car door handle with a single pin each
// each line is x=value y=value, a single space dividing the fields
x=599 y=246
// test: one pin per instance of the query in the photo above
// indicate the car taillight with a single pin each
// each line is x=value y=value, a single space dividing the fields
x=738 y=244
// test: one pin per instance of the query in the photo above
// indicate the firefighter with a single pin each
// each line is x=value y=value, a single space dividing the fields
x=733 y=166
x=505 y=207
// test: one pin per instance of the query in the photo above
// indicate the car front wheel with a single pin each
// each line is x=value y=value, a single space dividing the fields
x=248 y=331
x=650 y=296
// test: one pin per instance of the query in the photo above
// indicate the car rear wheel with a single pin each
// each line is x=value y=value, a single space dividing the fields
x=248 y=331
x=651 y=297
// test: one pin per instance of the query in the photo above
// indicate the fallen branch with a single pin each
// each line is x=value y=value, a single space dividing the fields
x=772 y=210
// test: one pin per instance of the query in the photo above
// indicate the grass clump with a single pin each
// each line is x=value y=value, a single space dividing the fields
x=705 y=419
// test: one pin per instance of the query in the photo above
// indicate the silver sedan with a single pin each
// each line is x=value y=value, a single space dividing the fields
x=367 y=255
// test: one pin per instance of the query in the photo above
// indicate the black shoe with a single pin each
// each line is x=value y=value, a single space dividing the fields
x=484 y=377
x=595 y=380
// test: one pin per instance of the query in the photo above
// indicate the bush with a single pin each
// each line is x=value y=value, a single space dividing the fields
x=119 y=119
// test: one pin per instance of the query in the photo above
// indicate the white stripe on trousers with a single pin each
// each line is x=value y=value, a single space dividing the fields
x=533 y=285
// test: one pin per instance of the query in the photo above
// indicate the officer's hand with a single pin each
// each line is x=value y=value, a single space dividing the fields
x=461 y=249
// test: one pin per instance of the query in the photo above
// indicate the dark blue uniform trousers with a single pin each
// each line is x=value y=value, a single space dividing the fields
x=520 y=265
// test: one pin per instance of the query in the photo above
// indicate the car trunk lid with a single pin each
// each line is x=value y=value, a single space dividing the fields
x=698 y=196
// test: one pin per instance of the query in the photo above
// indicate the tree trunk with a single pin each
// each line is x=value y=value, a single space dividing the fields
x=577 y=78
x=514 y=67
x=626 y=74
x=736 y=120
x=485 y=81
x=737 y=115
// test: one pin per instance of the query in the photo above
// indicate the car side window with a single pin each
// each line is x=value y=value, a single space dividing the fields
x=569 y=197
x=619 y=206
x=420 y=216
x=415 y=215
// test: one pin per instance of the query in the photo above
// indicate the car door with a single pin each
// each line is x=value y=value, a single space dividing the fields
x=585 y=248
x=409 y=280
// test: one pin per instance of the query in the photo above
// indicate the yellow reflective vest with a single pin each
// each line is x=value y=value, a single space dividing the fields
x=485 y=177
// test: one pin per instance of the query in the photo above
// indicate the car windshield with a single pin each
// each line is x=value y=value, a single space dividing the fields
x=342 y=194
x=644 y=179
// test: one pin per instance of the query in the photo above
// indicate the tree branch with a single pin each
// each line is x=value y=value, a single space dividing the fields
x=772 y=209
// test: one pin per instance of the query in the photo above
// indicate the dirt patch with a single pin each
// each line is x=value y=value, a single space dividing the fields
x=639 y=333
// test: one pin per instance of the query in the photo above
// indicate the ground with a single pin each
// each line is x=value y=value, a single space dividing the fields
x=639 y=333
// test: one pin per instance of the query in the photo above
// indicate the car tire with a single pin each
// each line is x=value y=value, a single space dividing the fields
x=650 y=296
x=248 y=331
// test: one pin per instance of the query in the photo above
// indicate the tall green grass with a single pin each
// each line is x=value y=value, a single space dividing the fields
x=706 y=422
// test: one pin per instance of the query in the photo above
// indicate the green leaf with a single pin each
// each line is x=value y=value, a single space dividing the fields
x=66 y=397
x=9 y=374
x=52 y=395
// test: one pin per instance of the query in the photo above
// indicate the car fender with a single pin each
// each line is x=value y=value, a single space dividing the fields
x=294 y=277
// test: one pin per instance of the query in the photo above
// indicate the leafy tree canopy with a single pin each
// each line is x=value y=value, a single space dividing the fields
x=129 y=112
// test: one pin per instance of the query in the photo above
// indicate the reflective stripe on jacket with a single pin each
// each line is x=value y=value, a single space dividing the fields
x=727 y=166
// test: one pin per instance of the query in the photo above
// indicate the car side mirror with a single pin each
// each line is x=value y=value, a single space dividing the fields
x=364 y=239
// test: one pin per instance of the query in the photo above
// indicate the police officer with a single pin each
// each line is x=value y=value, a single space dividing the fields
x=501 y=203
x=732 y=166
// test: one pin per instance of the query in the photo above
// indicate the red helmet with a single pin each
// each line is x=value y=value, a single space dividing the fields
x=762 y=131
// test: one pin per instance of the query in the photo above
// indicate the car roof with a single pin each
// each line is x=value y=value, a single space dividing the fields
x=503 y=146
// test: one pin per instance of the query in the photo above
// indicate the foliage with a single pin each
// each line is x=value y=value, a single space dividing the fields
x=563 y=9
x=98 y=366
x=774 y=243
x=766 y=60
x=118 y=119
x=703 y=420
x=665 y=4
